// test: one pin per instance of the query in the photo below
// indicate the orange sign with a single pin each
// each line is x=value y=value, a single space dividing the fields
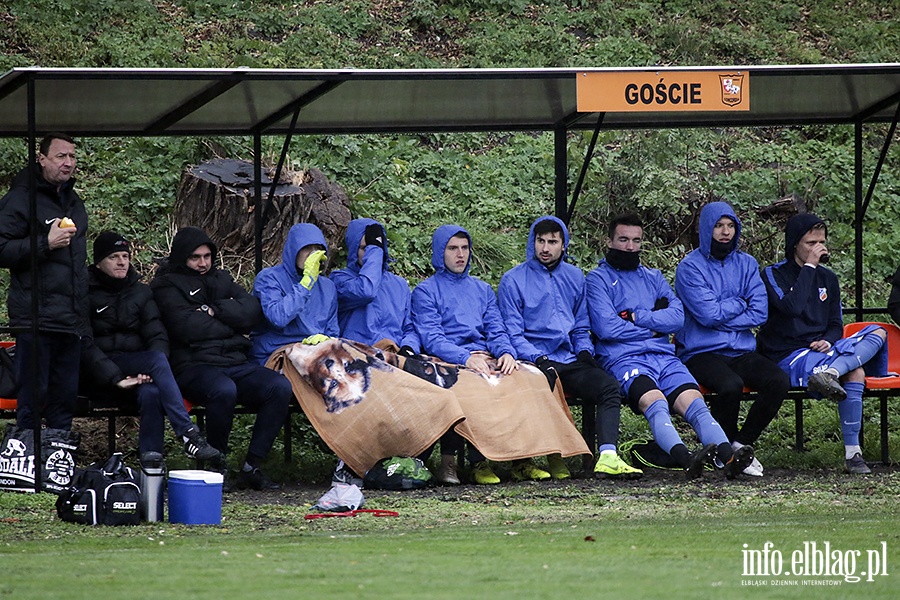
x=657 y=91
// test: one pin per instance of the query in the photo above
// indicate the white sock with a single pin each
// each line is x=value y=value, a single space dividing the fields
x=851 y=451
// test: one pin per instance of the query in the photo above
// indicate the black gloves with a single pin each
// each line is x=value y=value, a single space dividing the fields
x=587 y=358
x=661 y=303
x=375 y=235
x=407 y=351
x=546 y=367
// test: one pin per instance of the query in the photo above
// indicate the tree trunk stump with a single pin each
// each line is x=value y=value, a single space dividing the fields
x=217 y=196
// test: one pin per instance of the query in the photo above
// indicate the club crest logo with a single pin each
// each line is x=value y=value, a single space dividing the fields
x=823 y=294
x=732 y=89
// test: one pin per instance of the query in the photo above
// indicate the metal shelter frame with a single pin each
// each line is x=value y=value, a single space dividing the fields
x=86 y=102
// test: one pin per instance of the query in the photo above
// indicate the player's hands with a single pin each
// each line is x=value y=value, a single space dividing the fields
x=375 y=235
x=134 y=381
x=546 y=367
x=312 y=267
x=478 y=363
x=818 y=255
x=587 y=358
x=315 y=339
x=820 y=346
x=507 y=364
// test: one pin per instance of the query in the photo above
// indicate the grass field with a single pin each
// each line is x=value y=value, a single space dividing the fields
x=660 y=537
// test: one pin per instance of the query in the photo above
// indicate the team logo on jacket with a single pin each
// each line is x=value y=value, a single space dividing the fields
x=823 y=294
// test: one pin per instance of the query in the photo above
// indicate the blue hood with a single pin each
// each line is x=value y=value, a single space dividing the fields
x=710 y=214
x=529 y=250
x=439 y=241
x=356 y=230
x=300 y=235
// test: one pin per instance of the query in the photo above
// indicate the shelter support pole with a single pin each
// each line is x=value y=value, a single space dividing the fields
x=257 y=198
x=36 y=406
x=560 y=154
x=858 y=219
x=881 y=158
x=262 y=211
x=584 y=167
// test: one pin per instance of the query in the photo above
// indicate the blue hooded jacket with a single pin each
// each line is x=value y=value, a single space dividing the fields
x=292 y=312
x=456 y=314
x=610 y=291
x=373 y=303
x=545 y=310
x=723 y=299
x=804 y=301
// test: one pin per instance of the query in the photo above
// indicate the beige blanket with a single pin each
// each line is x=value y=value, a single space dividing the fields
x=368 y=404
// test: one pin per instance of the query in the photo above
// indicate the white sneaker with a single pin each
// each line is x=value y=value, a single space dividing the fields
x=754 y=469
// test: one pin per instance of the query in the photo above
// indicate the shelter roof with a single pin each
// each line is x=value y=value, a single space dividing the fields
x=151 y=102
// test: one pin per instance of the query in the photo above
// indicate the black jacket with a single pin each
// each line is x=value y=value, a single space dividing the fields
x=124 y=318
x=180 y=292
x=804 y=306
x=62 y=297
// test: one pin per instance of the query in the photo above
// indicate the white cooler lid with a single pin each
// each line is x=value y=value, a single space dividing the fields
x=210 y=477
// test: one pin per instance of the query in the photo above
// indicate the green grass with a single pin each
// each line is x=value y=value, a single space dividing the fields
x=658 y=538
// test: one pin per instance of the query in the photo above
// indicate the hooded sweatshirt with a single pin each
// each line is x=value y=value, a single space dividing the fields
x=804 y=301
x=456 y=314
x=291 y=311
x=723 y=299
x=610 y=291
x=63 y=285
x=195 y=336
x=545 y=310
x=373 y=303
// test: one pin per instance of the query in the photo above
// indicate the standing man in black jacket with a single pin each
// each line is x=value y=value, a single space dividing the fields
x=208 y=316
x=60 y=278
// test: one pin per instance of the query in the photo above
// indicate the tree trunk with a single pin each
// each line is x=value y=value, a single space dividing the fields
x=217 y=196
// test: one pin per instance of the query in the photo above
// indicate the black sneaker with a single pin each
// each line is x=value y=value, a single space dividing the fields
x=856 y=465
x=826 y=385
x=698 y=461
x=255 y=479
x=196 y=446
x=741 y=459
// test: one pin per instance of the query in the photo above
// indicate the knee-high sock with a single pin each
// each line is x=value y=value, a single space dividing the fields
x=865 y=349
x=850 y=411
x=708 y=429
x=657 y=415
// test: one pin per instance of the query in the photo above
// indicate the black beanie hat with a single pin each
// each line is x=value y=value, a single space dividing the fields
x=107 y=243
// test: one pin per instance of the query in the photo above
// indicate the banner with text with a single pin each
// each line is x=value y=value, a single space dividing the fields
x=656 y=91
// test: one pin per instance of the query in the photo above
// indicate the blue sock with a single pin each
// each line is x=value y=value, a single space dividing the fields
x=708 y=429
x=850 y=411
x=864 y=350
x=657 y=415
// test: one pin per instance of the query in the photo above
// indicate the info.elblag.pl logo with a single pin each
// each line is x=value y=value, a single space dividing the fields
x=813 y=563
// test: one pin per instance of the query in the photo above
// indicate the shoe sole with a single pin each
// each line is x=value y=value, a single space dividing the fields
x=699 y=461
x=826 y=387
x=602 y=475
x=742 y=458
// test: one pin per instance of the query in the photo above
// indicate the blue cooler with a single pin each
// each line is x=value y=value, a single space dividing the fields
x=195 y=497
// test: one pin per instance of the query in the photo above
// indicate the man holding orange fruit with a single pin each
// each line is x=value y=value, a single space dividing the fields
x=60 y=279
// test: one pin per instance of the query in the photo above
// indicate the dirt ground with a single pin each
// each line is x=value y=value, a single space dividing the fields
x=712 y=484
